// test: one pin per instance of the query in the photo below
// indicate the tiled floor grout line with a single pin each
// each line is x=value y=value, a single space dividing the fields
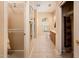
x=31 y=52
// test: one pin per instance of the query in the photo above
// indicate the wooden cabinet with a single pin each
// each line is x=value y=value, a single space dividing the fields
x=53 y=37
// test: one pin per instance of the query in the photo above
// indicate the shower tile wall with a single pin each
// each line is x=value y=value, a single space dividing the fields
x=16 y=40
x=16 y=26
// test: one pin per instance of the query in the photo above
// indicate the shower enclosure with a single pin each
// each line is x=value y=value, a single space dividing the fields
x=16 y=29
x=15 y=32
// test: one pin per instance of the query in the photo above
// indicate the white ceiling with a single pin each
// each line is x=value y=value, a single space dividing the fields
x=43 y=6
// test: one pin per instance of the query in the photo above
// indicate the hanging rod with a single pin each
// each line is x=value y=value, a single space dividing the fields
x=15 y=30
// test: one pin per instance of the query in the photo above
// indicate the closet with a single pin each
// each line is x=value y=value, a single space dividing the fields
x=15 y=30
x=67 y=18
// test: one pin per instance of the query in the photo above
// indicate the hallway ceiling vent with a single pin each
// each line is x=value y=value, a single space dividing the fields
x=38 y=5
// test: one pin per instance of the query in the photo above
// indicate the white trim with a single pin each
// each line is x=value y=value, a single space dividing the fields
x=15 y=29
x=16 y=50
x=61 y=3
x=5 y=27
x=26 y=30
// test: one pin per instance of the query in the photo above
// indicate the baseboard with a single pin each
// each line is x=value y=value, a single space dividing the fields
x=1 y=56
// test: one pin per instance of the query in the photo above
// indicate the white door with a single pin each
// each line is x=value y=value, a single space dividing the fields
x=76 y=29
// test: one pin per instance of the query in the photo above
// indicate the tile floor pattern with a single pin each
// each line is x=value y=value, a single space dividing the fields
x=42 y=47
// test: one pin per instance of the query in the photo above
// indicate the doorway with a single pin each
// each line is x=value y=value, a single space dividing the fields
x=15 y=30
x=67 y=27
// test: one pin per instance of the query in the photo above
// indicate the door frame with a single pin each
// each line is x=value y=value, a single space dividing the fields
x=72 y=12
x=5 y=28
x=5 y=31
x=26 y=31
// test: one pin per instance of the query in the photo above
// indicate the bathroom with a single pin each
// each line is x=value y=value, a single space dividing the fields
x=16 y=29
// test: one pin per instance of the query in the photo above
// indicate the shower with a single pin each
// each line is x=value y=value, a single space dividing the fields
x=16 y=30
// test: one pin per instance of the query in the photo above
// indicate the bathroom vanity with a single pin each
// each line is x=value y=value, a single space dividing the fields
x=53 y=36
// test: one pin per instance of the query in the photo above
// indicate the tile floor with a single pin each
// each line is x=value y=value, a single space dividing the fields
x=42 y=47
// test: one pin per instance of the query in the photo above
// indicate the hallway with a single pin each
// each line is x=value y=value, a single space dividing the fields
x=39 y=29
x=42 y=47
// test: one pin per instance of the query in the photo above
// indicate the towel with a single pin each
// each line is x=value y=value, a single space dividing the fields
x=9 y=44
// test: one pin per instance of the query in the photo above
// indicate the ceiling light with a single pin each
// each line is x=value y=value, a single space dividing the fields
x=38 y=5
x=49 y=5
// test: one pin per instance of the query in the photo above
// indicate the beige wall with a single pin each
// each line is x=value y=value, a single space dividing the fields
x=41 y=15
x=1 y=30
